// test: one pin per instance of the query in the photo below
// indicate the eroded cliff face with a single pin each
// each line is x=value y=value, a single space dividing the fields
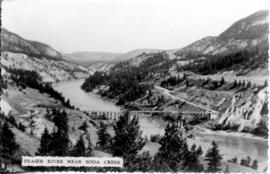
x=247 y=114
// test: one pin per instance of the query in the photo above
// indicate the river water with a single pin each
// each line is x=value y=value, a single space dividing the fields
x=85 y=101
x=230 y=145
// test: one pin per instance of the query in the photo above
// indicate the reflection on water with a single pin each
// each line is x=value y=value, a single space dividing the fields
x=85 y=101
x=230 y=146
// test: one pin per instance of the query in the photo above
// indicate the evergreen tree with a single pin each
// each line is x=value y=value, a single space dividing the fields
x=199 y=150
x=187 y=83
x=104 y=137
x=89 y=150
x=127 y=140
x=84 y=126
x=60 y=144
x=248 y=84
x=213 y=158
x=142 y=163
x=255 y=165
x=222 y=81
x=79 y=149
x=173 y=149
x=235 y=84
x=243 y=162
x=45 y=144
x=184 y=76
x=235 y=160
x=265 y=83
x=60 y=119
x=191 y=161
x=7 y=140
x=21 y=127
x=243 y=83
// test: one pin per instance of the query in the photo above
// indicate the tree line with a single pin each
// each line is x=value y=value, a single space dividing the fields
x=126 y=82
x=28 y=78
x=57 y=143
x=210 y=84
x=173 y=155
x=252 y=59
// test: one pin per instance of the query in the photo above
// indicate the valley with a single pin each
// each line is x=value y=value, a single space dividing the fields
x=49 y=100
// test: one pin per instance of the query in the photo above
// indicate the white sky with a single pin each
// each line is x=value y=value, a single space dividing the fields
x=122 y=25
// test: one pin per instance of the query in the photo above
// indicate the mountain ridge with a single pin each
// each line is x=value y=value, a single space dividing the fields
x=243 y=34
x=15 y=43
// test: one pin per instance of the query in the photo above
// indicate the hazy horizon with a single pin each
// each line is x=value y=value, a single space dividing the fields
x=118 y=26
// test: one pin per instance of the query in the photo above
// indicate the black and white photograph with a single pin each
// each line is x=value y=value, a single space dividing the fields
x=177 y=86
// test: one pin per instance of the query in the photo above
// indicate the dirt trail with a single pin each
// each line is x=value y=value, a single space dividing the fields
x=167 y=92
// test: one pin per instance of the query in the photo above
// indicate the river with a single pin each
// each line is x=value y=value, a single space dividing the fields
x=85 y=101
x=230 y=144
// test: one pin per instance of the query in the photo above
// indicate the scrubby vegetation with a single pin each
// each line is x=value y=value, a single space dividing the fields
x=128 y=82
x=27 y=78
x=248 y=59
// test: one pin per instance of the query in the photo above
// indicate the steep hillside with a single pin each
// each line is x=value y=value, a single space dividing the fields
x=243 y=34
x=14 y=43
x=49 y=69
x=247 y=114
x=19 y=53
x=102 y=67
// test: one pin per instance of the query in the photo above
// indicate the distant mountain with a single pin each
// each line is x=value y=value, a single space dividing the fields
x=89 y=58
x=135 y=53
x=103 y=61
x=243 y=34
x=14 y=43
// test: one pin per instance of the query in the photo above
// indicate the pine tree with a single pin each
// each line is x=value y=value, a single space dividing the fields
x=173 y=149
x=142 y=163
x=79 y=149
x=21 y=127
x=213 y=157
x=222 y=81
x=187 y=83
x=255 y=165
x=265 y=83
x=7 y=140
x=89 y=149
x=184 y=76
x=60 y=144
x=127 y=140
x=60 y=139
x=84 y=126
x=235 y=84
x=235 y=160
x=104 y=137
x=191 y=161
x=199 y=151
x=60 y=120
x=45 y=144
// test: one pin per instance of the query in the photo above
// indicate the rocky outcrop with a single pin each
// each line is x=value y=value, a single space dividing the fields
x=248 y=115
